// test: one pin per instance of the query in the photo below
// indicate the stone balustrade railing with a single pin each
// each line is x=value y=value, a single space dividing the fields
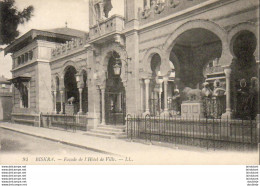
x=111 y=25
x=67 y=47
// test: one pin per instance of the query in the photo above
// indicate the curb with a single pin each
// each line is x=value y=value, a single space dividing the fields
x=62 y=142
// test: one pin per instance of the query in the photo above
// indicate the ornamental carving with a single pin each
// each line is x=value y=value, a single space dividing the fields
x=158 y=6
x=146 y=12
x=63 y=48
x=174 y=3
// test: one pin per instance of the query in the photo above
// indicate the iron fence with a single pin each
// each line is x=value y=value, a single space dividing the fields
x=202 y=132
x=65 y=121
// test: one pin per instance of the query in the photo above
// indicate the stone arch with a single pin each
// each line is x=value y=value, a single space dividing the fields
x=165 y=67
x=237 y=29
x=81 y=72
x=66 y=65
x=54 y=83
x=204 y=24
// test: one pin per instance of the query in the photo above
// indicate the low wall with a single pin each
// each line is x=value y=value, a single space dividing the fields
x=28 y=119
x=65 y=121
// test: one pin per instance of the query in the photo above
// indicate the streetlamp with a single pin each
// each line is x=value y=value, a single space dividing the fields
x=118 y=65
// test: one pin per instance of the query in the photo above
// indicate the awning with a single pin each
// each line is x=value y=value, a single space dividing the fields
x=20 y=79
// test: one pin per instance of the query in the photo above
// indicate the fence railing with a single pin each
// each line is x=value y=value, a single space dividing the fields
x=201 y=132
x=65 y=121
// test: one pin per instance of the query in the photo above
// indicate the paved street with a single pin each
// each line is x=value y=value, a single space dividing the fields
x=14 y=142
x=130 y=152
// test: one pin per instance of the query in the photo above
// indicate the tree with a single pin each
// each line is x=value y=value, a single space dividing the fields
x=10 y=18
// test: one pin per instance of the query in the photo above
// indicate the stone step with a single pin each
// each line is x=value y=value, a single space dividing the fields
x=112 y=126
x=111 y=129
x=109 y=132
x=107 y=136
x=91 y=133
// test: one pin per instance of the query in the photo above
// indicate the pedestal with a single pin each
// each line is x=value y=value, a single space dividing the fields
x=69 y=109
x=226 y=115
x=192 y=110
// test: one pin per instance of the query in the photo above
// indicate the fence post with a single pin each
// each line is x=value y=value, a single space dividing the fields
x=251 y=131
x=127 y=125
x=213 y=132
x=151 y=127
x=207 y=133
x=224 y=129
x=132 y=129
x=193 y=130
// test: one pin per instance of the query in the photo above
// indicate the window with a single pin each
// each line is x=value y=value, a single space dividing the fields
x=22 y=60
x=24 y=95
x=19 y=60
x=3 y=85
x=30 y=55
x=26 y=57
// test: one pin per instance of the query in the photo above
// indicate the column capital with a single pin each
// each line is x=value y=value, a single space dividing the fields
x=147 y=81
x=141 y=81
x=227 y=71
x=102 y=87
x=165 y=78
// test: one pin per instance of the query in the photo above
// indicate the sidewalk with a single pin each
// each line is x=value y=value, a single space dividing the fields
x=140 y=153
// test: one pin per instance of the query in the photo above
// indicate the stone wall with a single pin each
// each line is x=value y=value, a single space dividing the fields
x=6 y=105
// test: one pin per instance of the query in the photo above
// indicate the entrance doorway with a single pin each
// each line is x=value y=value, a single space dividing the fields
x=115 y=103
x=71 y=89
x=244 y=77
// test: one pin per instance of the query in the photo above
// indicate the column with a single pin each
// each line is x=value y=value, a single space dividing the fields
x=258 y=105
x=54 y=101
x=142 y=94
x=165 y=111
x=160 y=97
x=80 y=101
x=147 y=107
x=228 y=102
x=61 y=101
x=103 y=122
x=102 y=14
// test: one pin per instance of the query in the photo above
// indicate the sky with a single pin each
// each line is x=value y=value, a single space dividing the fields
x=50 y=14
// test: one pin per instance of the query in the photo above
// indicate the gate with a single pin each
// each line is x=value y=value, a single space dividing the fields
x=115 y=108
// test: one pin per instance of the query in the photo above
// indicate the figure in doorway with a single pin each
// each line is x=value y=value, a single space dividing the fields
x=242 y=97
x=177 y=101
x=206 y=94
x=218 y=99
x=253 y=97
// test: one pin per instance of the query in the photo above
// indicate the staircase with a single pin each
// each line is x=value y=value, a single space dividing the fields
x=108 y=131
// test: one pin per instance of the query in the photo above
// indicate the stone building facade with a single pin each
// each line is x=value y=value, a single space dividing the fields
x=140 y=63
